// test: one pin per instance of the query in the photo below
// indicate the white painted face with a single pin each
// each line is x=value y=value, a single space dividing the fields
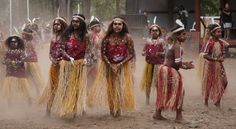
x=155 y=32
x=14 y=43
x=117 y=26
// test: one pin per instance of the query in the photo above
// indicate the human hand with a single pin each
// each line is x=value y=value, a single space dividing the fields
x=220 y=59
x=190 y=65
x=72 y=60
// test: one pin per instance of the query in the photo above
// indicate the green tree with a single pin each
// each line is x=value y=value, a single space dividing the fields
x=210 y=7
x=106 y=9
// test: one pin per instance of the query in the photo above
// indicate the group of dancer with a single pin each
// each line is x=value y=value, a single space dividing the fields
x=92 y=68
x=22 y=69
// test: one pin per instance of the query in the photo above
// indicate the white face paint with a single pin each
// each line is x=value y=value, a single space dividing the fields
x=155 y=32
x=14 y=43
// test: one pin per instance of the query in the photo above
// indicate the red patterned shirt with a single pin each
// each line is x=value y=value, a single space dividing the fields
x=75 y=49
x=14 y=61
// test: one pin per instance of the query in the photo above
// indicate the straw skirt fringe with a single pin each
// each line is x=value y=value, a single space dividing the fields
x=49 y=91
x=170 y=91
x=71 y=93
x=16 y=88
x=114 y=89
x=35 y=76
x=214 y=80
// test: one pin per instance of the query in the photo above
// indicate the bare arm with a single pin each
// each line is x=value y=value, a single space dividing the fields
x=130 y=45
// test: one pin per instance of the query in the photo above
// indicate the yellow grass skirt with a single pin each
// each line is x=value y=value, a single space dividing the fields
x=113 y=89
x=149 y=77
x=35 y=76
x=51 y=87
x=71 y=93
x=201 y=64
x=16 y=88
x=213 y=78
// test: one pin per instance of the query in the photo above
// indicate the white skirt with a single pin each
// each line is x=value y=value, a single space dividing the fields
x=227 y=25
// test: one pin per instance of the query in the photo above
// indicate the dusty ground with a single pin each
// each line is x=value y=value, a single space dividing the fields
x=196 y=115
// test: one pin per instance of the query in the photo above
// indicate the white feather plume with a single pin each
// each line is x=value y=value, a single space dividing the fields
x=154 y=20
x=29 y=21
x=179 y=22
x=16 y=30
x=97 y=19
x=58 y=11
x=91 y=19
x=34 y=19
x=48 y=25
x=23 y=27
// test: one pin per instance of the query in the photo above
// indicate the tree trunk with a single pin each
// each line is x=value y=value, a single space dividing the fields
x=69 y=11
x=63 y=8
x=55 y=6
x=117 y=7
x=86 y=8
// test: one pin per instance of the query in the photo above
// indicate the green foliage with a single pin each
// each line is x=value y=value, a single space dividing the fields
x=210 y=7
x=106 y=9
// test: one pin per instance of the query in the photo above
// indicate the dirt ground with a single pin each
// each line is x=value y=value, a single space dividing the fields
x=195 y=114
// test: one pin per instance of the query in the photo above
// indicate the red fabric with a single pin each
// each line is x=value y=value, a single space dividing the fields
x=179 y=92
x=209 y=46
x=215 y=80
x=169 y=88
x=31 y=55
x=15 y=69
x=116 y=53
x=75 y=49
x=151 y=51
x=215 y=85
x=56 y=50
x=169 y=95
x=159 y=92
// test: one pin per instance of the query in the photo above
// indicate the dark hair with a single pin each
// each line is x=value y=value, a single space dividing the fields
x=181 y=7
x=63 y=25
x=110 y=30
x=35 y=27
x=28 y=32
x=82 y=29
x=211 y=27
x=174 y=35
x=18 y=39
x=94 y=22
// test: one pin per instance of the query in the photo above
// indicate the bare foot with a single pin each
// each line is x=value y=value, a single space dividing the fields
x=181 y=121
x=158 y=117
x=112 y=113
x=118 y=113
x=217 y=104
x=84 y=113
x=147 y=102
x=206 y=103
x=47 y=113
